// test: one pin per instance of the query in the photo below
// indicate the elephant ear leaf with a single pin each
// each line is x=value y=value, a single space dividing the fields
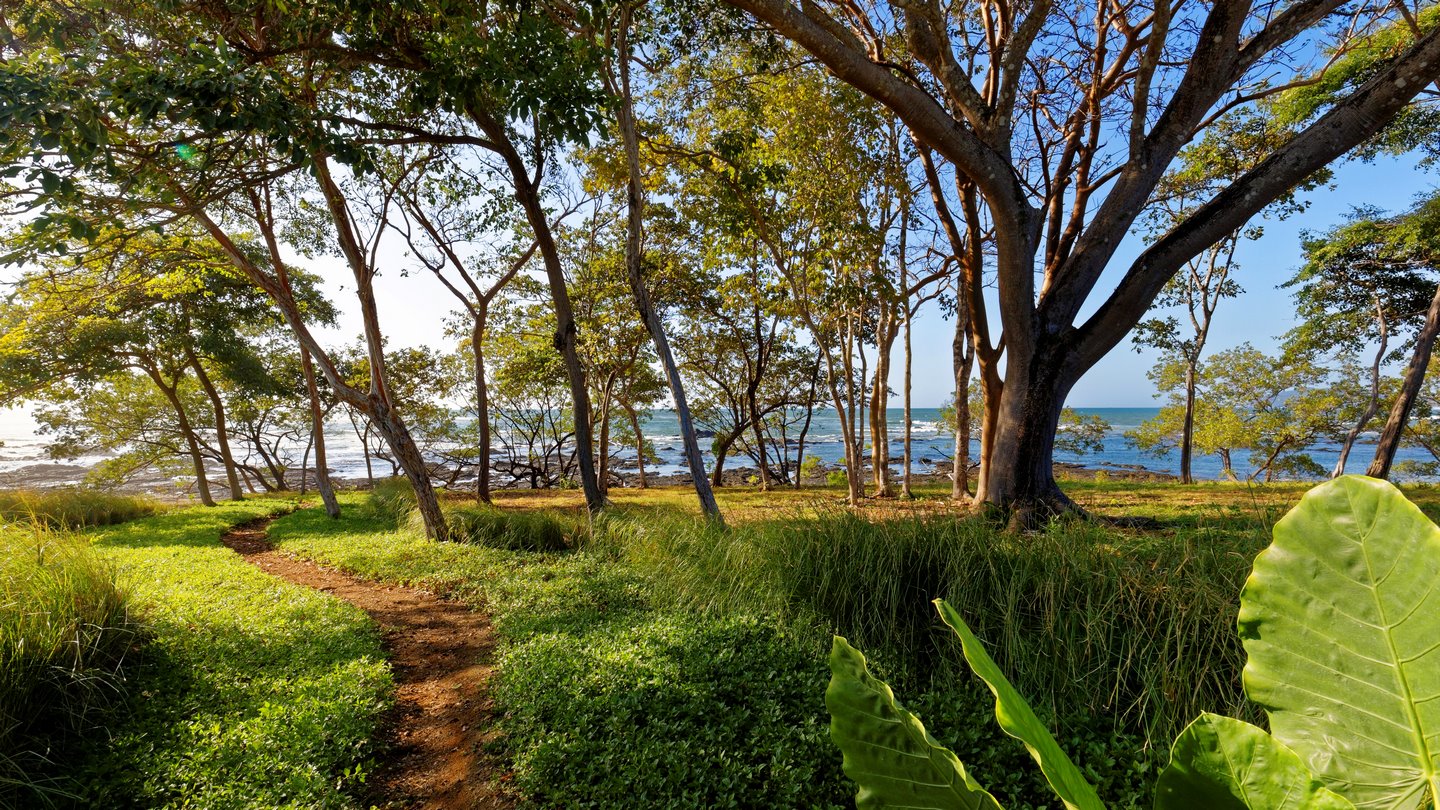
x=1019 y=721
x=887 y=750
x=1222 y=764
x=1341 y=622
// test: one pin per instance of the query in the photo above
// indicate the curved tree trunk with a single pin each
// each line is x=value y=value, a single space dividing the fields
x=222 y=436
x=192 y=443
x=1409 y=390
x=634 y=273
x=317 y=434
x=1373 y=406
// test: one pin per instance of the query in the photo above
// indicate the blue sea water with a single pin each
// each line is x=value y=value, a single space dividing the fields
x=20 y=446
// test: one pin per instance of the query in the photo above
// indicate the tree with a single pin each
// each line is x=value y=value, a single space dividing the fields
x=1276 y=407
x=1365 y=284
x=1066 y=152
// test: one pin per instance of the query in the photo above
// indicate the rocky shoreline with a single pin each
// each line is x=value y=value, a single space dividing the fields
x=181 y=489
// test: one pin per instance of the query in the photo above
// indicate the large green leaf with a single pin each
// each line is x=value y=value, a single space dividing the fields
x=1222 y=764
x=1341 y=621
x=1019 y=721
x=887 y=750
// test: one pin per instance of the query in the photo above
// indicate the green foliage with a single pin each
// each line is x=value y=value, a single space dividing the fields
x=1339 y=620
x=613 y=698
x=1019 y=720
x=65 y=630
x=887 y=749
x=73 y=507
x=1219 y=763
x=1081 y=433
x=393 y=501
x=1142 y=621
x=252 y=692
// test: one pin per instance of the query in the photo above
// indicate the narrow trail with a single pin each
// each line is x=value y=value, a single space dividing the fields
x=440 y=652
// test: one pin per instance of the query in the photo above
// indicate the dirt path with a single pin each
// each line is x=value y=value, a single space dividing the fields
x=441 y=653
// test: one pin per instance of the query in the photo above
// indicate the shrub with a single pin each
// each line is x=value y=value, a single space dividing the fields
x=391 y=499
x=73 y=507
x=515 y=531
x=65 y=630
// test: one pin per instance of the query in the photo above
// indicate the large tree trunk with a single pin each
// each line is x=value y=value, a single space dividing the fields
x=1020 y=475
x=222 y=435
x=1409 y=390
x=317 y=433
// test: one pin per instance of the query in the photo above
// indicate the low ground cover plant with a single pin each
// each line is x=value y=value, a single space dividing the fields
x=612 y=699
x=1339 y=619
x=66 y=628
x=251 y=692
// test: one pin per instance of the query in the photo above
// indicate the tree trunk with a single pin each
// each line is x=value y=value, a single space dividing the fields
x=222 y=437
x=1021 y=475
x=602 y=477
x=1187 y=431
x=527 y=193
x=722 y=449
x=1409 y=390
x=1373 y=406
x=885 y=333
x=962 y=361
x=756 y=429
x=317 y=432
x=202 y=483
x=482 y=404
x=639 y=445
x=909 y=421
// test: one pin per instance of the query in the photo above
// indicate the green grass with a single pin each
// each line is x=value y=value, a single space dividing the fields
x=252 y=692
x=65 y=630
x=609 y=700
x=73 y=507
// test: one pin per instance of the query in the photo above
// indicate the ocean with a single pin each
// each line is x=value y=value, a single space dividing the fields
x=21 y=445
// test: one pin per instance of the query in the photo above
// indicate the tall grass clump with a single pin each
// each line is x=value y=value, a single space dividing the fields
x=1138 y=631
x=393 y=500
x=73 y=507
x=64 y=632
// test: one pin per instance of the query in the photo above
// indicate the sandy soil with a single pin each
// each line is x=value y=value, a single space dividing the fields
x=441 y=653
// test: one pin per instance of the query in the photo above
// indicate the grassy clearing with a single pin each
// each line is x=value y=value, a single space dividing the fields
x=65 y=629
x=72 y=508
x=1119 y=636
x=251 y=693
x=610 y=700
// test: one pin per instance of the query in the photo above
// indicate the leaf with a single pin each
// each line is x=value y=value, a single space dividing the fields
x=1019 y=721
x=1341 y=621
x=887 y=750
x=1218 y=763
